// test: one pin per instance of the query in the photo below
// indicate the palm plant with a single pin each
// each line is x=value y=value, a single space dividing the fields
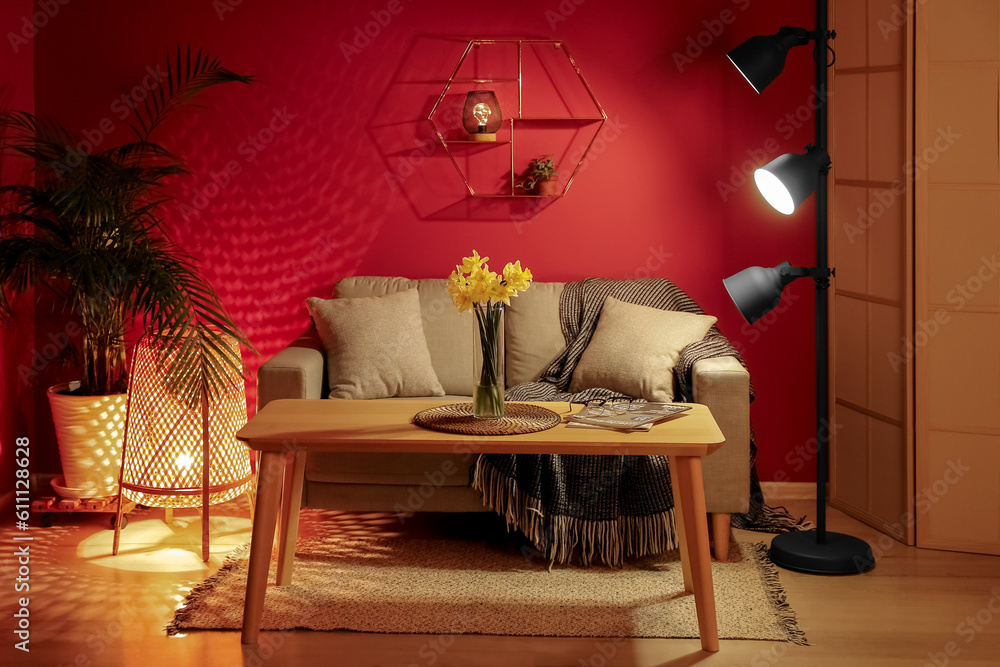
x=89 y=230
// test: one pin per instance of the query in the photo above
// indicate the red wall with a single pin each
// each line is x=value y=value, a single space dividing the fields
x=300 y=197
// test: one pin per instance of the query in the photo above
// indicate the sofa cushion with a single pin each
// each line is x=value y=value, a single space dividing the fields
x=375 y=346
x=448 y=333
x=532 y=332
x=634 y=349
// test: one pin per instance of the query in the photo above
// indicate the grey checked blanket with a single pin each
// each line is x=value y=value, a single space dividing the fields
x=608 y=507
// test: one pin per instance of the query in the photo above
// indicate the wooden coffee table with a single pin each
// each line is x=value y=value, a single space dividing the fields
x=284 y=431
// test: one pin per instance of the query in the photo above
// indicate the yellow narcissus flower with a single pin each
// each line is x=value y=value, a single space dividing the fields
x=474 y=263
x=458 y=288
x=516 y=278
x=472 y=283
x=483 y=285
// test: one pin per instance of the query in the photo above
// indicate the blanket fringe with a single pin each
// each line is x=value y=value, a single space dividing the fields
x=776 y=594
x=557 y=537
x=768 y=519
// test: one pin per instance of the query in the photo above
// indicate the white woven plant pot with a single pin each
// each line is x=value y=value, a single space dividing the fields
x=89 y=431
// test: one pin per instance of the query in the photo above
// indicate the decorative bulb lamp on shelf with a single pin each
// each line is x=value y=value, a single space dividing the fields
x=481 y=115
x=178 y=456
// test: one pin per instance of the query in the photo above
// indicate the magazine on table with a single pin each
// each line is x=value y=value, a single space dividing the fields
x=638 y=417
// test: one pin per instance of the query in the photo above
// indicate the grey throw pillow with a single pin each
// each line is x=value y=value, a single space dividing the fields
x=375 y=346
x=634 y=349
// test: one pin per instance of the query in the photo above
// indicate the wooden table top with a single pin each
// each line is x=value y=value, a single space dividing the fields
x=386 y=425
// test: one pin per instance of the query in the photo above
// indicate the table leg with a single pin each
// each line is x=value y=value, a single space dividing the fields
x=681 y=528
x=689 y=485
x=269 y=478
x=291 y=503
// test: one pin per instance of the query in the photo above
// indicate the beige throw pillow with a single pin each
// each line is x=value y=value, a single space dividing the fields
x=634 y=349
x=375 y=346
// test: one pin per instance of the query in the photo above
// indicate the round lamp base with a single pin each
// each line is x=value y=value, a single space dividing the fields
x=484 y=136
x=839 y=554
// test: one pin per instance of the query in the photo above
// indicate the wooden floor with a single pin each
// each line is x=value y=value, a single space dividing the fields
x=88 y=608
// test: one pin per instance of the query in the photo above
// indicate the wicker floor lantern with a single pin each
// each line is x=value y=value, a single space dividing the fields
x=177 y=456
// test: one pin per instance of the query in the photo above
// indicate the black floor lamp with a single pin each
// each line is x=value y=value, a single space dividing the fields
x=785 y=183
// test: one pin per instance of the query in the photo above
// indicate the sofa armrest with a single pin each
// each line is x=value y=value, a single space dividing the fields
x=295 y=372
x=723 y=385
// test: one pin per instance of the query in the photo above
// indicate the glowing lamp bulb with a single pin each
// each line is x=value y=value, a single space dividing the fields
x=774 y=191
x=184 y=461
x=481 y=116
x=482 y=113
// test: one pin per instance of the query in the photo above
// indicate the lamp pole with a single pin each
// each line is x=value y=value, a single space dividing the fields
x=785 y=183
x=822 y=284
x=820 y=552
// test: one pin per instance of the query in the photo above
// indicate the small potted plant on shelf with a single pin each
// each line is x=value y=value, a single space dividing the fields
x=541 y=177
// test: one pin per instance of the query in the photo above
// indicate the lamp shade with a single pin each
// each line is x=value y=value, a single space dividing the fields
x=757 y=290
x=787 y=180
x=166 y=442
x=481 y=115
x=760 y=59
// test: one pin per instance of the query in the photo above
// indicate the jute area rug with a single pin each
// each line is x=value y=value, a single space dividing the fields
x=400 y=584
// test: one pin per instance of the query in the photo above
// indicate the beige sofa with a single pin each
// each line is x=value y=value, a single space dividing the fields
x=533 y=338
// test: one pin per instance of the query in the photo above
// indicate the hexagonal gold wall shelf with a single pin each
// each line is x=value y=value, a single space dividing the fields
x=547 y=108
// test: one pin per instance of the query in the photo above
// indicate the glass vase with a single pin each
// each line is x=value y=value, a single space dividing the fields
x=488 y=361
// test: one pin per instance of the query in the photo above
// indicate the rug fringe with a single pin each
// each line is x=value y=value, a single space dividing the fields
x=778 y=598
x=557 y=536
x=204 y=588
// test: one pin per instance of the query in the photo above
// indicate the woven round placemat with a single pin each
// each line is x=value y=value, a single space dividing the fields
x=458 y=418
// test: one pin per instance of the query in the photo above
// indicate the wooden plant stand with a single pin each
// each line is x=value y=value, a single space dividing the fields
x=49 y=506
